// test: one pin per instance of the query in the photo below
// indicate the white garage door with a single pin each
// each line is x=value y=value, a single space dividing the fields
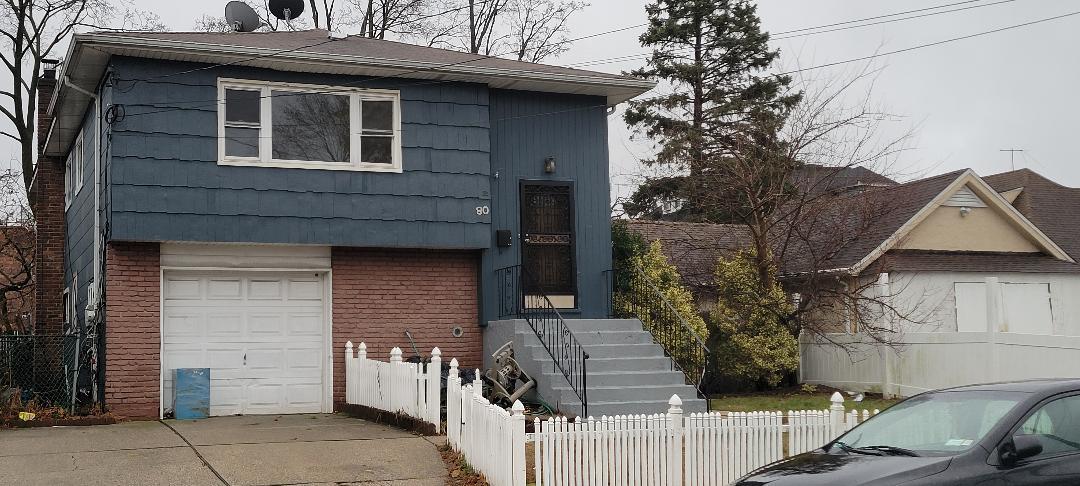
x=261 y=334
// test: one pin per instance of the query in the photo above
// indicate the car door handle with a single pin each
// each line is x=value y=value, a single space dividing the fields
x=245 y=359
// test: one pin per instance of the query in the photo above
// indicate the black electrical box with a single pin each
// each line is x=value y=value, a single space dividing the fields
x=503 y=238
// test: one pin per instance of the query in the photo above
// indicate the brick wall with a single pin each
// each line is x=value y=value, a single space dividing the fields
x=132 y=328
x=46 y=197
x=378 y=294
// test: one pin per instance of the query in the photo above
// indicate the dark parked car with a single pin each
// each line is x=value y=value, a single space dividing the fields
x=1025 y=432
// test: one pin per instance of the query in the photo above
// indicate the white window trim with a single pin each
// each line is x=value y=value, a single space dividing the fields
x=68 y=190
x=266 y=123
x=73 y=171
x=80 y=151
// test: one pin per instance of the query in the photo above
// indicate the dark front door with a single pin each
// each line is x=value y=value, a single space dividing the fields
x=547 y=236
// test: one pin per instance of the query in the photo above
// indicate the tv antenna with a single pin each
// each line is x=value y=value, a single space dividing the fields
x=241 y=17
x=286 y=9
x=1012 y=156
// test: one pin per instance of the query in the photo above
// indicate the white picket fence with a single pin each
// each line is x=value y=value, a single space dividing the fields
x=491 y=438
x=669 y=449
x=701 y=449
x=412 y=389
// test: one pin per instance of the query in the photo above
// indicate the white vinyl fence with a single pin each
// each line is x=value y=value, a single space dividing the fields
x=994 y=345
x=408 y=388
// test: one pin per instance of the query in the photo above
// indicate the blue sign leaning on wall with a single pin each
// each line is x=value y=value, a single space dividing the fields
x=191 y=393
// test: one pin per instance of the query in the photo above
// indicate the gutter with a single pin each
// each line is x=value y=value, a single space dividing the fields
x=68 y=83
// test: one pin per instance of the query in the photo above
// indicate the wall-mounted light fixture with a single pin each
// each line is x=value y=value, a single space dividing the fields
x=964 y=211
x=549 y=165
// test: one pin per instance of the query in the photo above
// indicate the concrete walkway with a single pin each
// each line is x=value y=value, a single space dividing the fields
x=248 y=450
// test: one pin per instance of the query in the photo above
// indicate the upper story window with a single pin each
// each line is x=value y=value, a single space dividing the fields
x=73 y=171
x=304 y=126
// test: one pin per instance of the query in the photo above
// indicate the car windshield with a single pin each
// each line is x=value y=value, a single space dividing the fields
x=942 y=423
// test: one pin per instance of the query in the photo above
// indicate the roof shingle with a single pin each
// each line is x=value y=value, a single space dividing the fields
x=693 y=248
x=1053 y=208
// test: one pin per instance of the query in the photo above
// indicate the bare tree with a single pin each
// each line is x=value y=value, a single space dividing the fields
x=32 y=31
x=473 y=26
x=785 y=189
x=211 y=23
x=403 y=18
x=537 y=29
x=16 y=255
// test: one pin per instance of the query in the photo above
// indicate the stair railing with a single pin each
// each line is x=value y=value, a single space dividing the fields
x=632 y=294
x=520 y=295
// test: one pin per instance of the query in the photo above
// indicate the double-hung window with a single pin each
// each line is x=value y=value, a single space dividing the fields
x=73 y=171
x=304 y=126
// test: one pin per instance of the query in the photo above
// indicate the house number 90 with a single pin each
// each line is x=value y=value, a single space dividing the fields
x=483 y=210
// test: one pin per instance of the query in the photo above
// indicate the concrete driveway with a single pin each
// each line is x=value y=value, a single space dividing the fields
x=248 y=450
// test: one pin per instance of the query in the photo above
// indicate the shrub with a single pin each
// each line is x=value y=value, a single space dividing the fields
x=748 y=342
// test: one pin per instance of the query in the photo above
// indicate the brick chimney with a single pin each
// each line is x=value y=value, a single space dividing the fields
x=46 y=197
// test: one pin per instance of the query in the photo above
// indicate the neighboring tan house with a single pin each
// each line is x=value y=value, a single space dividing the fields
x=249 y=202
x=937 y=234
x=932 y=252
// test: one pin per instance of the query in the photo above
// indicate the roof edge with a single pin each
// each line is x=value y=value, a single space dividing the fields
x=106 y=40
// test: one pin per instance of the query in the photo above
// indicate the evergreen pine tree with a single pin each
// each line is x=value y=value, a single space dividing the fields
x=713 y=56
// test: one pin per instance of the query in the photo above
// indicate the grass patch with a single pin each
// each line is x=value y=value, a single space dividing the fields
x=793 y=399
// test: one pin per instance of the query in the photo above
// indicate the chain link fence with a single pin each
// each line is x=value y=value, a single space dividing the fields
x=39 y=370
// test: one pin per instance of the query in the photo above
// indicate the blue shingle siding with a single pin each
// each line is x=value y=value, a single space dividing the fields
x=167 y=186
x=526 y=128
x=79 y=249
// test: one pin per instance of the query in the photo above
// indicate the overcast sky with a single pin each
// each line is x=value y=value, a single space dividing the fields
x=967 y=99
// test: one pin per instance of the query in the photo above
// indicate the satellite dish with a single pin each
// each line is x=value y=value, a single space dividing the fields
x=241 y=17
x=286 y=9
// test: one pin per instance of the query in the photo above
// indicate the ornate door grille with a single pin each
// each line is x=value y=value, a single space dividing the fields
x=547 y=235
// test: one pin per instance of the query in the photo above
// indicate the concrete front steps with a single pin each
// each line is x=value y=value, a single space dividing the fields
x=627 y=372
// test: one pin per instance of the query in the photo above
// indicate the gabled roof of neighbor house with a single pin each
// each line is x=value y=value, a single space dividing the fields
x=314 y=51
x=817 y=179
x=871 y=242
x=1054 y=208
x=907 y=205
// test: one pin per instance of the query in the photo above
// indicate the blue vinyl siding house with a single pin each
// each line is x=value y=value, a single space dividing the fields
x=249 y=202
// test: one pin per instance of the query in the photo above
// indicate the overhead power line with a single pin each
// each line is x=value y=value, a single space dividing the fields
x=936 y=7
x=901 y=19
x=932 y=44
x=808 y=31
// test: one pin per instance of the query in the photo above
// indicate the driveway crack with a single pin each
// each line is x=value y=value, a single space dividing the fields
x=197 y=454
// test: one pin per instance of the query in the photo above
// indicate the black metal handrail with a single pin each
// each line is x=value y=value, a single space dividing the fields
x=520 y=295
x=632 y=294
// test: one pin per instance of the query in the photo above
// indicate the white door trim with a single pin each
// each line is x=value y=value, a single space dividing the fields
x=328 y=325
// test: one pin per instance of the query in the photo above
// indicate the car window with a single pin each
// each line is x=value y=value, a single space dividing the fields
x=1057 y=426
x=935 y=423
